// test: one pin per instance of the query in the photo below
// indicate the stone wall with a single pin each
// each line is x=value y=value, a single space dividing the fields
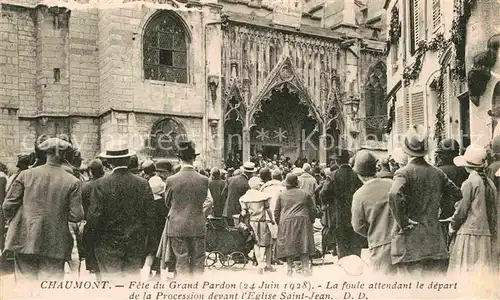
x=483 y=25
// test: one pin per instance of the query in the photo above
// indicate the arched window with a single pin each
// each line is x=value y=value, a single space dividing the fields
x=165 y=45
x=376 y=108
x=165 y=136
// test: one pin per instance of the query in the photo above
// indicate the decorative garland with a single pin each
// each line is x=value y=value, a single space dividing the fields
x=439 y=130
x=394 y=30
x=438 y=43
x=462 y=10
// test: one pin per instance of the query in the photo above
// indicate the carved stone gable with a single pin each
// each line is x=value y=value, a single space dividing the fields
x=283 y=74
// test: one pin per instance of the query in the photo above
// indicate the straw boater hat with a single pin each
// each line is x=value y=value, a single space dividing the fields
x=416 y=142
x=474 y=157
x=117 y=149
x=248 y=167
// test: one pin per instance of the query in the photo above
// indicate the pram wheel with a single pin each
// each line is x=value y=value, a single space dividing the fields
x=236 y=261
x=215 y=260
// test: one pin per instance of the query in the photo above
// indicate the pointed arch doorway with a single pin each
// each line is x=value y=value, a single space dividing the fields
x=284 y=126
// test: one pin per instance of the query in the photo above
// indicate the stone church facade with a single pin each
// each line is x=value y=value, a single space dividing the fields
x=237 y=77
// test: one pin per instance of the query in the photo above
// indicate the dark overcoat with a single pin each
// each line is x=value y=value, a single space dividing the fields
x=337 y=195
x=40 y=203
x=235 y=188
x=185 y=194
x=121 y=213
x=216 y=187
x=417 y=193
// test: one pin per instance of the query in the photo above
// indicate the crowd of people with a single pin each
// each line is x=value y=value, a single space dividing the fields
x=125 y=217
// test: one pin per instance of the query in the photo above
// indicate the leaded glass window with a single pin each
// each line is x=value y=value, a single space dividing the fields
x=375 y=105
x=165 y=49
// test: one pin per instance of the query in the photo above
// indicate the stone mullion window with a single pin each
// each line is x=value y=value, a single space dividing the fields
x=165 y=50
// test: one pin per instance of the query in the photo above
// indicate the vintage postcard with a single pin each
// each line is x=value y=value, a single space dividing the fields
x=249 y=149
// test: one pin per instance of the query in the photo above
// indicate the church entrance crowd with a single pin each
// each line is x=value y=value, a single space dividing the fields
x=123 y=217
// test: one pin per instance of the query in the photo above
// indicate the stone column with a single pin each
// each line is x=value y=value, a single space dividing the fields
x=246 y=143
x=322 y=144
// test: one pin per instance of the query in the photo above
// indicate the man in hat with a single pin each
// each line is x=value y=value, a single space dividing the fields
x=234 y=189
x=371 y=215
x=446 y=151
x=39 y=205
x=186 y=192
x=337 y=194
x=164 y=168
x=120 y=216
x=415 y=199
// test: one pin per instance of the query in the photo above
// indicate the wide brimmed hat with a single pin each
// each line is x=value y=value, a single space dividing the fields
x=474 y=157
x=186 y=149
x=248 y=167
x=416 y=142
x=117 y=149
x=54 y=145
x=365 y=163
x=291 y=180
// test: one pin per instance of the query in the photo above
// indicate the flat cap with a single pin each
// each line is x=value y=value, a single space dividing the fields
x=54 y=145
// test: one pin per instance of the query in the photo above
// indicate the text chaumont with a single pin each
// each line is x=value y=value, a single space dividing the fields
x=86 y=285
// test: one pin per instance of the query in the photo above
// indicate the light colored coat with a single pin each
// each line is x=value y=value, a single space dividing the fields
x=371 y=218
x=273 y=188
x=39 y=205
x=308 y=183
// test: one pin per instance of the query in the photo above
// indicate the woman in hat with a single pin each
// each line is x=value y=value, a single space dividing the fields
x=474 y=222
x=255 y=205
x=295 y=217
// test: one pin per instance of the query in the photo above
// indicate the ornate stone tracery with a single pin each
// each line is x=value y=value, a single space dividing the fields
x=283 y=74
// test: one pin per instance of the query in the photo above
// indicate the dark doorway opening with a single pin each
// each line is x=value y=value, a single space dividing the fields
x=284 y=126
x=270 y=151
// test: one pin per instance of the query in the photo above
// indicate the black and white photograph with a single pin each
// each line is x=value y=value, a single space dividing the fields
x=249 y=149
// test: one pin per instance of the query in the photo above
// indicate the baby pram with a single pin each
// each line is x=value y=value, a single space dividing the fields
x=227 y=247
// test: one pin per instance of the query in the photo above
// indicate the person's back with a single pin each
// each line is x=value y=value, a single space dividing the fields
x=295 y=203
x=44 y=213
x=126 y=201
x=186 y=192
x=373 y=197
x=216 y=186
x=422 y=187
